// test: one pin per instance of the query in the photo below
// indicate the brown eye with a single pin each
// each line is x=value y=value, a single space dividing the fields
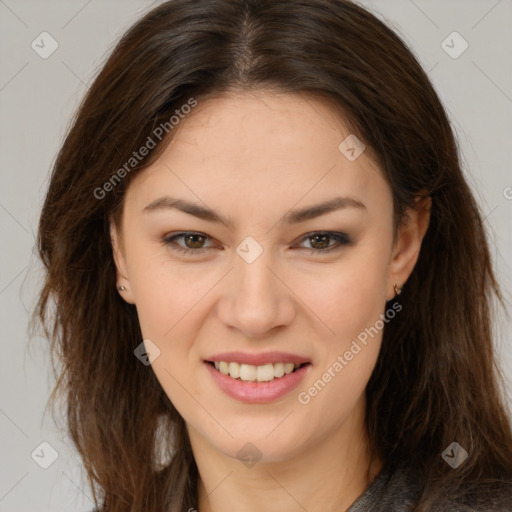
x=320 y=242
x=193 y=243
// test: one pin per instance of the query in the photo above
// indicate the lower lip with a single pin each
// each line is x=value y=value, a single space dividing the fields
x=258 y=392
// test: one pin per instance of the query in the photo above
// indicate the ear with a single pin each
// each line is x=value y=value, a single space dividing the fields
x=408 y=244
x=120 y=262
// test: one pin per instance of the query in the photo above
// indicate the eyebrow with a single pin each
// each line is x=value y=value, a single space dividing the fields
x=291 y=217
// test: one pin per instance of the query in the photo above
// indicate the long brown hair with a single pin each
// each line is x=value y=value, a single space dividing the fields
x=436 y=380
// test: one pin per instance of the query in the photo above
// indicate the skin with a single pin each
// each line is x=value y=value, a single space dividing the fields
x=253 y=157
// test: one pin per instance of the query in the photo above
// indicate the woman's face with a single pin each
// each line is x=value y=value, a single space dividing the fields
x=269 y=285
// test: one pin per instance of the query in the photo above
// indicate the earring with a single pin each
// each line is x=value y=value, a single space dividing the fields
x=121 y=288
x=398 y=291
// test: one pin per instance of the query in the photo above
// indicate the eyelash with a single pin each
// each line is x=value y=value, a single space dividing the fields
x=341 y=238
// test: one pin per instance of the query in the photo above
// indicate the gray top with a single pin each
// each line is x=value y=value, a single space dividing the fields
x=391 y=490
x=397 y=489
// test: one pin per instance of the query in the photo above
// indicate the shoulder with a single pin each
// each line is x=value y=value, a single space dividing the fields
x=396 y=488
x=400 y=487
x=479 y=496
x=495 y=497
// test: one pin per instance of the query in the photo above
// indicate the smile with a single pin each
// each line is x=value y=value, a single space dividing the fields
x=252 y=373
x=254 y=390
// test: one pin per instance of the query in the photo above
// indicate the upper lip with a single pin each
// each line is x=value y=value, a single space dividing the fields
x=258 y=359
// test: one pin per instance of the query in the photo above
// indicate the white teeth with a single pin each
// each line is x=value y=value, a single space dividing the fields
x=288 y=368
x=265 y=372
x=234 y=370
x=278 y=369
x=224 y=368
x=249 y=372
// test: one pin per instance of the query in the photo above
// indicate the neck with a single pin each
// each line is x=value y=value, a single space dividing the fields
x=326 y=475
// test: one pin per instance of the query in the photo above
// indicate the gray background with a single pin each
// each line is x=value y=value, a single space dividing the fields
x=37 y=99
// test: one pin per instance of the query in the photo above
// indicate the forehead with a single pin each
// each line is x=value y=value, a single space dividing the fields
x=259 y=148
x=275 y=130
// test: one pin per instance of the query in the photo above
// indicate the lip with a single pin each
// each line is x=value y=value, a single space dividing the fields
x=257 y=392
x=258 y=359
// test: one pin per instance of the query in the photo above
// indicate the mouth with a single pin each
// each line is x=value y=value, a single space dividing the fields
x=256 y=373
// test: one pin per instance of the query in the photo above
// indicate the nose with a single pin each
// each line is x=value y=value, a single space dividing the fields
x=257 y=300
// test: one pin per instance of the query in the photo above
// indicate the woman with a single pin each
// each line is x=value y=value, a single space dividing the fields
x=272 y=285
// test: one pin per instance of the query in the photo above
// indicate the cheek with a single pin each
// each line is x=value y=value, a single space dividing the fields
x=169 y=306
x=173 y=301
x=165 y=290
x=350 y=304
x=347 y=297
